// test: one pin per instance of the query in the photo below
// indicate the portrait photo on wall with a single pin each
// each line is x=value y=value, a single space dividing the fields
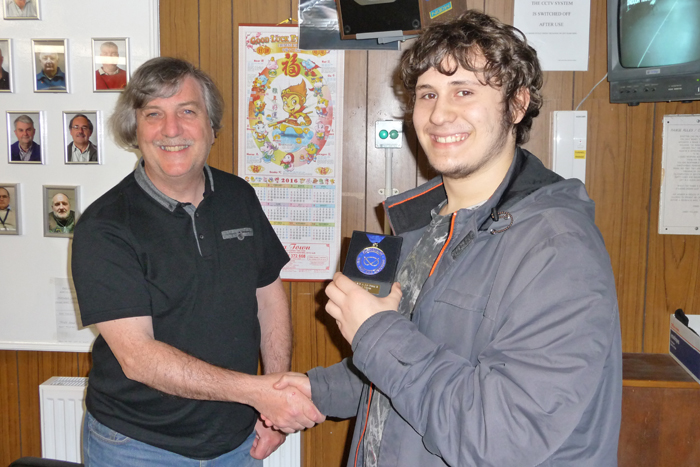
x=81 y=132
x=110 y=58
x=24 y=133
x=61 y=210
x=5 y=65
x=50 y=65
x=20 y=9
x=9 y=209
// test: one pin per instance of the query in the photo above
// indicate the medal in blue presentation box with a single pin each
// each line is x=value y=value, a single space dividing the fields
x=372 y=261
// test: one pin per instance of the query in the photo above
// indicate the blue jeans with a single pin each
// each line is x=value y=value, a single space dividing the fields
x=104 y=447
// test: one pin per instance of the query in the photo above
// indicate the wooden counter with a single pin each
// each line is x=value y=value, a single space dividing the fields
x=660 y=413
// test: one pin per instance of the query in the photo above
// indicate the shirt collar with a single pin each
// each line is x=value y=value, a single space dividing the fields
x=103 y=72
x=59 y=75
x=164 y=200
x=23 y=154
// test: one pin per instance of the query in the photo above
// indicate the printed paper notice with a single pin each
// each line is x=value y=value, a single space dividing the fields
x=558 y=30
x=679 y=202
x=66 y=306
x=290 y=108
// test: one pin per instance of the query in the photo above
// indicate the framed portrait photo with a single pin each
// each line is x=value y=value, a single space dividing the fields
x=20 y=9
x=10 y=222
x=110 y=58
x=24 y=137
x=61 y=210
x=6 y=65
x=81 y=132
x=50 y=65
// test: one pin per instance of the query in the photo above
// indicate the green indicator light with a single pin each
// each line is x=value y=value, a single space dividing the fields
x=394 y=134
x=383 y=134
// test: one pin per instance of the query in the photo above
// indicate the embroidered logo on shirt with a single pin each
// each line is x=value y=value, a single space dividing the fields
x=240 y=234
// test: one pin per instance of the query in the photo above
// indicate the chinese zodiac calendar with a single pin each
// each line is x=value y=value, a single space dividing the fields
x=289 y=146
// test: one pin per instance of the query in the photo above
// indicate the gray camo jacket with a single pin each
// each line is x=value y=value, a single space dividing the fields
x=513 y=354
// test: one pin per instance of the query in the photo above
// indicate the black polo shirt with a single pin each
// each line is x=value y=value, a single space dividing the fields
x=137 y=252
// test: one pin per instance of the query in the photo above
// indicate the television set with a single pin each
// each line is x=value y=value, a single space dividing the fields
x=653 y=50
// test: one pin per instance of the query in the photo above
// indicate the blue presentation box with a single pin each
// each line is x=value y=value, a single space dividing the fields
x=684 y=345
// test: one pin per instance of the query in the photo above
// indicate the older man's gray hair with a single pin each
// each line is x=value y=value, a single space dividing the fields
x=24 y=119
x=160 y=77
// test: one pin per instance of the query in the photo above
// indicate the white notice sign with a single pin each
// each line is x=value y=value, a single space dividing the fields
x=679 y=202
x=558 y=30
x=66 y=306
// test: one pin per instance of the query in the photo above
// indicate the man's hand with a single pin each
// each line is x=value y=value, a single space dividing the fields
x=297 y=380
x=287 y=409
x=351 y=305
x=267 y=440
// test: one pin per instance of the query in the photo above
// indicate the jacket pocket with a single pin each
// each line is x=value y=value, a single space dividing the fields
x=463 y=300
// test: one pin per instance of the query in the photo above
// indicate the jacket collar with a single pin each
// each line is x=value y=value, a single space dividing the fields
x=411 y=210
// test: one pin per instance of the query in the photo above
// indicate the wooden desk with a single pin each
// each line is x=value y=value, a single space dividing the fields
x=660 y=413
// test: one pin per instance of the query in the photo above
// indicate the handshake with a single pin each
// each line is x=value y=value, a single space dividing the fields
x=284 y=401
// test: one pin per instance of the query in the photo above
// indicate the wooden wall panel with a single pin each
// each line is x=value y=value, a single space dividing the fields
x=179 y=29
x=383 y=104
x=355 y=125
x=216 y=56
x=10 y=444
x=618 y=174
x=674 y=260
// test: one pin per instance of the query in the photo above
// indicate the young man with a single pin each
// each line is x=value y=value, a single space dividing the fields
x=501 y=347
x=178 y=268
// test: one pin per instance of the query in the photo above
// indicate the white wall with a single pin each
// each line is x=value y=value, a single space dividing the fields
x=29 y=263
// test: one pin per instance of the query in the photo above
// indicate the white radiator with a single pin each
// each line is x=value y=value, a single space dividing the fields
x=62 y=408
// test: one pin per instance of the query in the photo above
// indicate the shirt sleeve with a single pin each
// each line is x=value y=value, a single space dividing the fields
x=336 y=390
x=109 y=279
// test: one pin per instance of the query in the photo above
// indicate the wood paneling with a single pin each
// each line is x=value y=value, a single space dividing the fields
x=673 y=263
x=215 y=55
x=382 y=104
x=179 y=29
x=10 y=447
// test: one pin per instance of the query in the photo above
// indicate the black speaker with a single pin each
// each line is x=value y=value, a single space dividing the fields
x=369 y=18
x=387 y=18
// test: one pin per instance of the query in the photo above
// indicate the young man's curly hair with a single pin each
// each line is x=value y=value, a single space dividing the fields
x=510 y=63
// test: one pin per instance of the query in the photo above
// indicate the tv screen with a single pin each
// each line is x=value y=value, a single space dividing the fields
x=657 y=33
x=654 y=50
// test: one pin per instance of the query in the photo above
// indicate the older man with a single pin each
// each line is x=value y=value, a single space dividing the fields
x=501 y=346
x=4 y=75
x=109 y=75
x=179 y=268
x=8 y=220
x=25 y=149
x=61 y=217
x=50 y=78
x=20 y=9
x=81 y=149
